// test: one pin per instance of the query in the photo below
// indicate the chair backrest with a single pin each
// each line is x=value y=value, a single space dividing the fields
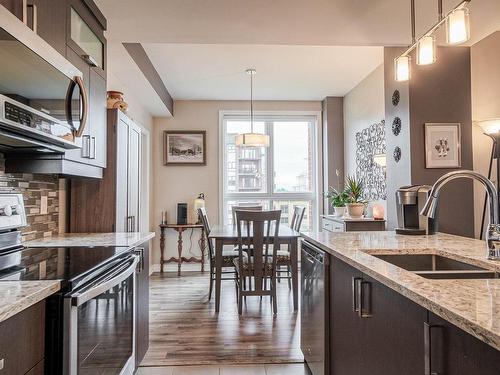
x=243 y=208
x=202 y=213
x=258 y=230
x=298 y=216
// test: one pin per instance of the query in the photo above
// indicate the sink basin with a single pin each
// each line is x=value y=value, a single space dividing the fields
x=433 y=266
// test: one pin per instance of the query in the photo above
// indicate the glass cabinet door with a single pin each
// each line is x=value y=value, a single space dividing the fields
x=87 y=40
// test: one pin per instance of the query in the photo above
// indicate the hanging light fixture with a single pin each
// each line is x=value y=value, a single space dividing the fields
x=252 y=139
x=426 y=50
x=457 y=31
x=457 y=26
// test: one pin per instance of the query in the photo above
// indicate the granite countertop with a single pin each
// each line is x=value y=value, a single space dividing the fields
x=472 y=305
x=92 y=239
x=16 y=296
x=347 y=218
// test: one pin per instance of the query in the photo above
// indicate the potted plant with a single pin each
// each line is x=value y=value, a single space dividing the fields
x=338 y=200
x=355 y=202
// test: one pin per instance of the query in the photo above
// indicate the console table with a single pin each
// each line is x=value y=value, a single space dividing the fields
x=180 y=228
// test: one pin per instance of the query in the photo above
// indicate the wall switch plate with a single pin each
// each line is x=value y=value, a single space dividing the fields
x=44 y=205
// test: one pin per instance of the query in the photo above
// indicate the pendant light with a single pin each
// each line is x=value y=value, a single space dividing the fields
x=426 y=50
x=252 y=139
x=457 y=26
x=402 y=68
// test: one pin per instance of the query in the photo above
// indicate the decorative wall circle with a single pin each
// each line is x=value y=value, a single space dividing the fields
x=395 y=97
x=397 y=154
x=396 y=126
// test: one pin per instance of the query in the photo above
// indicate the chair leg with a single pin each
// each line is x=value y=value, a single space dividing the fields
x=278 y=271
x=273 y=294
x=240 y=301
x=289 y=275
x=211 y=285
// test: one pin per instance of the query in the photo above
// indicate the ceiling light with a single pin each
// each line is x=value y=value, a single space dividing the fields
x=457 y=26
x=402 y=68
x=252 y=139
x=490 y=126
x=426 y=50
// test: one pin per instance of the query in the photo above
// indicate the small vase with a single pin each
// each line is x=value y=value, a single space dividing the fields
x=338 y=211
x=355 y=210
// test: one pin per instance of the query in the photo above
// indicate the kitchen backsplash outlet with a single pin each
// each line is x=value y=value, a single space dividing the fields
x=34 y=188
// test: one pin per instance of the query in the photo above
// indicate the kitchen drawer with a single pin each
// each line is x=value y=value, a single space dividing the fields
x=332 y=226
x=22 y=341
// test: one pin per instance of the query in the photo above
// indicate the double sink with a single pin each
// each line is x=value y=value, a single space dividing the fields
x=433 y=266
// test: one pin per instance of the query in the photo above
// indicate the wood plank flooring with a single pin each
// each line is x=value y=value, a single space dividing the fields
x=185 y=330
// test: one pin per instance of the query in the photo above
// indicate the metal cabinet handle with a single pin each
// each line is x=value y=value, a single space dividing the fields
x=129 y=223
x=428 y=349
x=92 y=148
x=86 y=146
x=356 y=283
x=140 y=252
x=90 y=60
x=34 y=11
x=365 y=311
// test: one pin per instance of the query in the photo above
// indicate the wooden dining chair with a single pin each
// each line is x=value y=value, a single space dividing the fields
x=243 y=208
x=284 y=260
x=258 y=230
x=227 y=255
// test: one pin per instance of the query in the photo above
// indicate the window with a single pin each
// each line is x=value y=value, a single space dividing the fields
x=281 y=176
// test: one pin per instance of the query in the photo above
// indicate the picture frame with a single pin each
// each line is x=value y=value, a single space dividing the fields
x=184 y=147
x=443 y=145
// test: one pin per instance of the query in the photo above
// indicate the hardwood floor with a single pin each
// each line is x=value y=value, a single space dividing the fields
x=185 y=330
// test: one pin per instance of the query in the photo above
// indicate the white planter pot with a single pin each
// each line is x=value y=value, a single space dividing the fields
x=355 y=210
x=338 y=211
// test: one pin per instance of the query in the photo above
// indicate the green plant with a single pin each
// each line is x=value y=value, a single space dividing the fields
x=337 y=198
x=354 y=189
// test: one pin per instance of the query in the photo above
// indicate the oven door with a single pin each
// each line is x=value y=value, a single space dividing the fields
x=100 y=324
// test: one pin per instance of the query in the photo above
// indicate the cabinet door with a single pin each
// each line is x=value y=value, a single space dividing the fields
x=346 y=338
x=97 y=119
x=455 y=352
x=13 y=6
x=82 y=154
x=51 y=22
x=142 y=330
x=393 y=332
x=134 y=157
x=122 y=220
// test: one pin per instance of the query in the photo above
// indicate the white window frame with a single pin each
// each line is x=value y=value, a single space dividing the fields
x=314 y=196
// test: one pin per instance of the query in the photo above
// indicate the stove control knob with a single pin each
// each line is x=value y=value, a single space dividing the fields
x=6 y=211
x=16 y=209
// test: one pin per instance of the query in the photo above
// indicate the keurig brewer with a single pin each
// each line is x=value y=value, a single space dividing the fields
x=409 y=202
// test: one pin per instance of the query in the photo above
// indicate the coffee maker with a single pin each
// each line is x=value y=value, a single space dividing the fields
x=410 y=201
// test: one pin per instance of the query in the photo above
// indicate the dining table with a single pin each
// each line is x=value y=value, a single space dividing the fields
x=228 y=235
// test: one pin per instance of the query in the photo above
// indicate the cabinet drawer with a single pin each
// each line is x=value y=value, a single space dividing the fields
x=332 y=226
x=22 y=341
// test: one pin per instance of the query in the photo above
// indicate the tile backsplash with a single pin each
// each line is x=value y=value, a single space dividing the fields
x=36 y=188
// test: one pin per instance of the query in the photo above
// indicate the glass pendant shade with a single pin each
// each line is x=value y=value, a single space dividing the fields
x=252 y=140
x=402 y=68
x=490 y=126
x=426 y=50
x=457 y=26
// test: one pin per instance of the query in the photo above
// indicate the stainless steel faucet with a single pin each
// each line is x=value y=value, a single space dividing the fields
x=493 y=234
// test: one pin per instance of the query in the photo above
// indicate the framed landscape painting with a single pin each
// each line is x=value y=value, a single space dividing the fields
x=184 y=147
x=442 y=145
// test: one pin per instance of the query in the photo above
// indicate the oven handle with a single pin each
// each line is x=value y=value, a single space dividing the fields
x=80 y=298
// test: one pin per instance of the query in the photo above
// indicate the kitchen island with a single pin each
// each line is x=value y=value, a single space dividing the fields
x=386 y=319
x=126 y=239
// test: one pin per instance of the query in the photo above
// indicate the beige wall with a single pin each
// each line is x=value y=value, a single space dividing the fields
x=485 y=62
x=363 y=106
x=175 y=184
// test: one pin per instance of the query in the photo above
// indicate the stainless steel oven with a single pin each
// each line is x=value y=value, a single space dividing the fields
x=100 y=323
x=43 y=103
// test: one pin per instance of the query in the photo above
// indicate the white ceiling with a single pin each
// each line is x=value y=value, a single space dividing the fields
x=217 y=72
x=198 y=46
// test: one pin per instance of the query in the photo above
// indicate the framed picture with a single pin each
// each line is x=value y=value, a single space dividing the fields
x=442 y=145
x=184 y=147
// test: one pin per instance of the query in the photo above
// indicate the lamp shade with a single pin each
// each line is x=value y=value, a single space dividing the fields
x=402 y=68
x=457 y=26
x=426 y=50
x=252 y=140
x=490 y=126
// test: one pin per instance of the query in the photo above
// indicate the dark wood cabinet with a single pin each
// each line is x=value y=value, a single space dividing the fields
x=13 y=6
x=97 y=120
x=453 y=351
x=22 y=341
x=142 y=322
x=374 y=330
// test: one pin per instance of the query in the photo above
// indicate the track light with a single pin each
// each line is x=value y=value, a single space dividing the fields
x=457 y=26
x=426 y=50
x=402 y=68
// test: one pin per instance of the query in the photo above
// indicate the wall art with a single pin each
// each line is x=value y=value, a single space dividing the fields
x=396 y=126
x=396 y=154
x=369 y=143
x=184 y=148
x=395 y=97
x=442 y=145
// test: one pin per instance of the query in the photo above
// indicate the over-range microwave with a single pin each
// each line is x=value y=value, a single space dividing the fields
x=43 y=103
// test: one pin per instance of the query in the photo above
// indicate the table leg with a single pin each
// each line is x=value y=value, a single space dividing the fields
x=162 y=248
x=179 y=251
x=202 y=249
x=218 y=272
x=295 y=272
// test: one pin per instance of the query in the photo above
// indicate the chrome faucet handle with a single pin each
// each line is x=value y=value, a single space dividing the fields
x=493 y=242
